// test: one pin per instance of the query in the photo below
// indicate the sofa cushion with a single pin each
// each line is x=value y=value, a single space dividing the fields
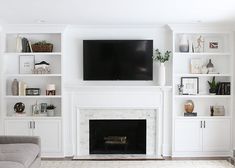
x=9 y=164
x=24 y=153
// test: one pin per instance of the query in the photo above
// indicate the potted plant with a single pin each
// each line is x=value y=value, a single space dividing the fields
x=162 y=58
x=51 y=110
x=213 y=86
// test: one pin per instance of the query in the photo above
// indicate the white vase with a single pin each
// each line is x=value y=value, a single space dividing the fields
x=162 y=75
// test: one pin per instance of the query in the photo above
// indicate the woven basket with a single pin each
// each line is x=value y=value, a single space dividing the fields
x=42 y=48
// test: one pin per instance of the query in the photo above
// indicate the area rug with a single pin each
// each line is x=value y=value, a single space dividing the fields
x=138 y=164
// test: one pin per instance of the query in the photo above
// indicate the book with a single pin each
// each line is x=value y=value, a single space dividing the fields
x=25 y=45
x=22 y=88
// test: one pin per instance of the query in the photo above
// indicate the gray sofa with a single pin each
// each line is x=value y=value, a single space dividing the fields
x=19 y=152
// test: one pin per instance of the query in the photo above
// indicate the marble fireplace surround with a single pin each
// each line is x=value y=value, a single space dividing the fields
x=118 y=105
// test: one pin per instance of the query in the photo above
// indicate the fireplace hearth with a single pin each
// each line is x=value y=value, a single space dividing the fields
x=117 y=136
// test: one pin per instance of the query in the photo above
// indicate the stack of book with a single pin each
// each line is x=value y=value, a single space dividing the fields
x=23 y=44
x=224 y=88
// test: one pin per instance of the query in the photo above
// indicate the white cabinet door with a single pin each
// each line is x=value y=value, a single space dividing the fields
x=50 y=133
x=18 y=127
x=188 y=135
x=216 y=135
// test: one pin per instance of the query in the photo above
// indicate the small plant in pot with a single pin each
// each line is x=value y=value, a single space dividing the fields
x=213 y=86
x=51 y=110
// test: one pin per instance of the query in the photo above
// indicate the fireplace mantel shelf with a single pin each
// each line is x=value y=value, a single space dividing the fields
x=116 y=87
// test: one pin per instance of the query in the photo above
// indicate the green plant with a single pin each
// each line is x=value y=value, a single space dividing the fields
x=51 y=107
x=42 y=43
x=158 y=56
x=213 y=85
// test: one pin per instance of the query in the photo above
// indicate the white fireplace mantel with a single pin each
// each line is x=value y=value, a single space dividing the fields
x=117 y=98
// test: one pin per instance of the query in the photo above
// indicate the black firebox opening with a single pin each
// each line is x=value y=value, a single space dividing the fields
x=117 y=136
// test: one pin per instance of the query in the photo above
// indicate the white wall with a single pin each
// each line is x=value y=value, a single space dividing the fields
x=234 y=92
x=73 y=48
x=1 y=49
x=73 y=69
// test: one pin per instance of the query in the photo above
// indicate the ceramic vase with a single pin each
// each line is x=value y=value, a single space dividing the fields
x=162 y=75
x=14 y=87
x=210 y=66
x=184 y=44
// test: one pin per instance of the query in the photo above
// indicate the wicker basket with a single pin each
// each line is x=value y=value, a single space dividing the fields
x=42 y=47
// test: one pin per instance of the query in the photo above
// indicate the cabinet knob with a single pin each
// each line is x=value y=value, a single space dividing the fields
x=204 y=124
x=201 y=124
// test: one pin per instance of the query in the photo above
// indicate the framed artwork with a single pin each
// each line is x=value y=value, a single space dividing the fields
x=190 y=85
x=196 y=65
x=26 y=64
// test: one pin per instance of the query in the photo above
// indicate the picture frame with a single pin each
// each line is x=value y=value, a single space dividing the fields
x=26 y=64
x=32 y=91
x=214 y=44
x=217 y=110
x=190 y=85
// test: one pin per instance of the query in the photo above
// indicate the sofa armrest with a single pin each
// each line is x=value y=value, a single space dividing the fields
x=20 y=139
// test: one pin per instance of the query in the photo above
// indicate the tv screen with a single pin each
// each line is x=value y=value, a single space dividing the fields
x=117 y=59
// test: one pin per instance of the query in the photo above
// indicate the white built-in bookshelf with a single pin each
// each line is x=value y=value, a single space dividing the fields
x=191 y=135
x=48 y=127
x=11 y=69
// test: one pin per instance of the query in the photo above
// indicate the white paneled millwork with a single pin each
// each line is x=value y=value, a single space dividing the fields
x=216 y=135
x=202 y=137
x=18 y=127
x=50 y=138
x=188 y=135
x=49 y=130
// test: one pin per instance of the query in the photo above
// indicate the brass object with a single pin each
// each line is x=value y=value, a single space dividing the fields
x=189 y=106
x=115 y=140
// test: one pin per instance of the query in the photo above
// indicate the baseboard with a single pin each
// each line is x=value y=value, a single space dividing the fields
x=202 y=154
x=166 y=150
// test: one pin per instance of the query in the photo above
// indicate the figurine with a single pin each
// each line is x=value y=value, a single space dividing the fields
x=200 y=44
x=212 y=110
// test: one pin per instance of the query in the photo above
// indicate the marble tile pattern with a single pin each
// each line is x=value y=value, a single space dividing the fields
x=87 y=114
x=138 y=164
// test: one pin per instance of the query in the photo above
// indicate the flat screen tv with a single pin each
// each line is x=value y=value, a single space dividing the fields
x=117 y=59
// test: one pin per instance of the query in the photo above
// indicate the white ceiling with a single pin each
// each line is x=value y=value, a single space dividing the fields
x=116 y=12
